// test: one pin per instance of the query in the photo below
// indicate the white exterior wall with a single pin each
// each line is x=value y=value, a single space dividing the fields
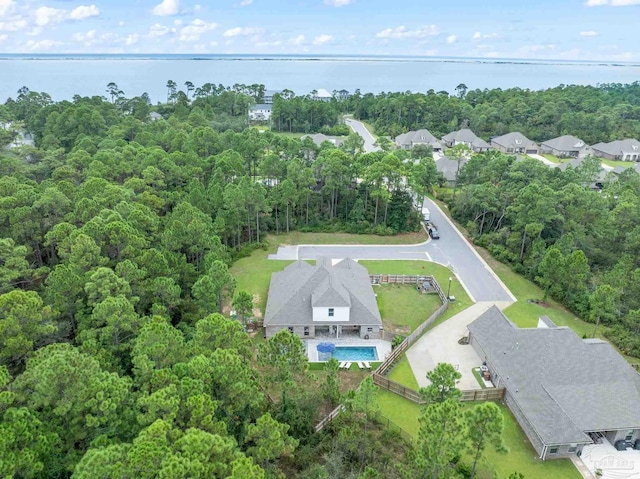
x=339 y=314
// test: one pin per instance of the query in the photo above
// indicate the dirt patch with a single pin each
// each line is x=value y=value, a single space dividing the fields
x=398 y=329
x=256 y=312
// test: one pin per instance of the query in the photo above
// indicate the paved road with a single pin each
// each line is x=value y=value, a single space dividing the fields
x=361 y=130
x=452 y=250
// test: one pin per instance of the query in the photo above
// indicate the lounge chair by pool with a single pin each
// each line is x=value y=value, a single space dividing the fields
x=367 y=364
x=360 y=365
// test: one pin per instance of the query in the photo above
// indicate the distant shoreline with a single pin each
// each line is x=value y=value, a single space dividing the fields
x=303 y=58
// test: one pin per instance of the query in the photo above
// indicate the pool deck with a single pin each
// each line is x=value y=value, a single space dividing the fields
x=383 y=348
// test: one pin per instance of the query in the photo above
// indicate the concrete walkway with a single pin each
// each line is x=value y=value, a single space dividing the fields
x=440 y=345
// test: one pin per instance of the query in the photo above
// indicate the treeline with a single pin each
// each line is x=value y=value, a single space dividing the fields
x=582 y=246
x=594 y=114
x=116 y=237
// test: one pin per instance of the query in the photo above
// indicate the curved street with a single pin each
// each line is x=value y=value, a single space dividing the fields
x=360 y=129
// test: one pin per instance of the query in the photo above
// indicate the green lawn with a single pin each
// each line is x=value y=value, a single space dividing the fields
x=614 y=163
x=296 y=237
x=403 y=374
x=555 y=159
x=403 y=308
x=441 y=274
x=521 y=457
x=476 y=374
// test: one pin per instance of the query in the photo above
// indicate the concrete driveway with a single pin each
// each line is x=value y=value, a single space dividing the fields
x=440 y=345
x=361 y=130
x=542 y=159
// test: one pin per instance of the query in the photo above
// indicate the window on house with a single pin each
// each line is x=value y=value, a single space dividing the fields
x=629 y=436
x=553 y=450
x=572 y=449
x=306 y=330
x=331 y=312
x=290 y=328
x=369 y=330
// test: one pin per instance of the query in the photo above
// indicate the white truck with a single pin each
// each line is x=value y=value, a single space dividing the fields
x=426 y=214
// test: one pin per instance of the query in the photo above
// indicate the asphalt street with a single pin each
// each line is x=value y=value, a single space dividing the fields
x=361 y=130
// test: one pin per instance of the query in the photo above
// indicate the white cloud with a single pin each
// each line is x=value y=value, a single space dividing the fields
x=192 y=32
x=34 y=45
x=242 y=32
x=121 y=24
x=6 y=7
x=477 y=36
x=338 y=3
x=404 y=32
x=299 y=40
x=52 y=16
x=246 y=3
x=13 y=25
x=275 y=43
x=87 y=38
x=47 y=15
x=131 y=39
x=167 y=8
x=613 y=3
x=3 y=38
x=589 y=33
x=451 y=39
x=84 y=11
x=158 y=30
x=322 y=39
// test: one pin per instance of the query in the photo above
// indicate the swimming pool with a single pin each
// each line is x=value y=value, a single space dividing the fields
x=355 y=353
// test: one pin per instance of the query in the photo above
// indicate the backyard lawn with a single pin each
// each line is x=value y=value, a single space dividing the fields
x=614 y=163
x=403 y=308
x=555 y=159
x=403 y=374
x=521 y=457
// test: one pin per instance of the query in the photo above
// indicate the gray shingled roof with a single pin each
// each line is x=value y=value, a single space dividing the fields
x=261 y=106
x=514 y=139
x=319 y=138
x=294 y=291
x=618 y=147
x=564 y=385
x=565 y=143
x=418 y=136
x=449 y=167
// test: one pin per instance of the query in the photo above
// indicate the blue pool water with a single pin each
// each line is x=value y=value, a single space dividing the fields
x=353 y=353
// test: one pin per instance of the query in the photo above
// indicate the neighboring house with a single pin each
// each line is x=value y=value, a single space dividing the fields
x=320 y=138
x=624 y=150
x=342 y=95
x=323 y=300
x=450 y=168
x=566 y=146
x=322 y=95
x=420 y=137
x=515 y=142
x=563 y=390
x=466 y=137
x=268 y=96
x=598 y=184
x=260 y=112
x=155 y=116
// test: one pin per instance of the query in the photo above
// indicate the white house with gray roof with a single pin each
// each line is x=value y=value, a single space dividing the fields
x=563 y=390
x=466 y=137
x=566 y=146
x=515 y=142
x=624 y=150
x=323 y=300
x=420 y=137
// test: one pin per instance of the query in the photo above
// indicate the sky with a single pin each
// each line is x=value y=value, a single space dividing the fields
x=545 y=29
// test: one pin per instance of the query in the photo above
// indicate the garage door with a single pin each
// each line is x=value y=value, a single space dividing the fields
x=532 y=152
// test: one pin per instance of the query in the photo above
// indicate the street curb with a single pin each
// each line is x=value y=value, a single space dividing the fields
x=495 y=276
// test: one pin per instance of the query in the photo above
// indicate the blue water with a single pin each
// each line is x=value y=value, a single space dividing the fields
x=352 y=353
x=64 y=75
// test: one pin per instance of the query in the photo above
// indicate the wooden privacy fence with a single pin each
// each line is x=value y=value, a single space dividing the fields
x=496 y=394
x=330 y=417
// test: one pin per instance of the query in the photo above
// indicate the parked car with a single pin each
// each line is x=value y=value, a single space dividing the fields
x=433 y=232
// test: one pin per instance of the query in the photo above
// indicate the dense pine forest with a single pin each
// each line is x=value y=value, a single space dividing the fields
x=117 y=232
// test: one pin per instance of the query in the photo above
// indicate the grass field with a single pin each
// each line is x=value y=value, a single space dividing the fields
x=521 y=456
x=296 y=237
x=441 y=274
x=614 y=163
x=403 y=308
x=403 y=374
x=555 y=159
